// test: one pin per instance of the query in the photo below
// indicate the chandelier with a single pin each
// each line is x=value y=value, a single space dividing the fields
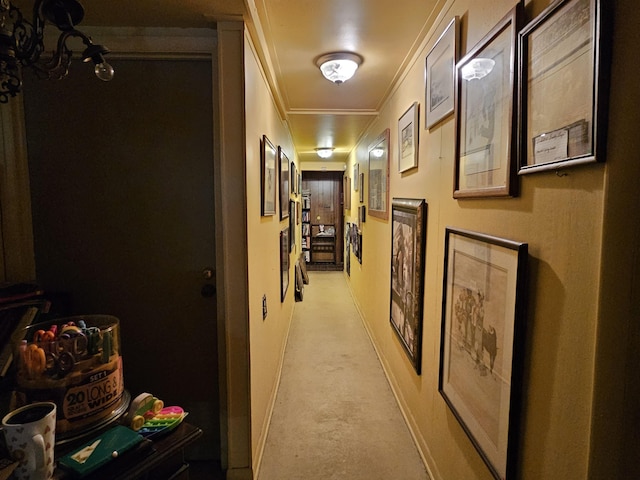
x=22 y=43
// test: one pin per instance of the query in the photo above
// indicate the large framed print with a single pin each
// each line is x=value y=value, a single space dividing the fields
x=379 y=176
x=486 y=115
x=283 y=169
x=408 y=232
x=564 y=88
x=481 y=346
x=440 y=75
x=268 y=171
x=284 y=263
x=408 y=139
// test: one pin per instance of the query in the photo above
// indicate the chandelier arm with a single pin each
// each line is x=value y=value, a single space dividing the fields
x=58 y=66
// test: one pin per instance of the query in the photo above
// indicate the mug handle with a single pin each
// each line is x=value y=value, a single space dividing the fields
x=38 y=449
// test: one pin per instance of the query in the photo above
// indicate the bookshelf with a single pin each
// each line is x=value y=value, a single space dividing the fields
x=306 y=225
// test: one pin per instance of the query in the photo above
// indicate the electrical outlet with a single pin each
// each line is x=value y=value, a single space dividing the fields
x=264 y=306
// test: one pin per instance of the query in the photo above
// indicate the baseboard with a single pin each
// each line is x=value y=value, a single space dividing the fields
x=257 y=461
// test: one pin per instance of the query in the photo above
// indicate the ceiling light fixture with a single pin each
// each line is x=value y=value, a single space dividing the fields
x=22 y=43
x=339 y=67
x=324 y=152
x=477 y=68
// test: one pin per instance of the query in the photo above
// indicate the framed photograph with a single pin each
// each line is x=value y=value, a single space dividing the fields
x=363 y=213
x=292 y=224
x=299 y=183
x=346 y=192
x=298 y=213
x=408 y=233
x=408 y=139
x=563 y=94
x=283 y=169
x=486 y=115
x=269 y=172
x=379 y=176
x=356 y=176
x=361 y=187
x=293 y=178
x=440 y=75
x=284 y=263
x=481 y=346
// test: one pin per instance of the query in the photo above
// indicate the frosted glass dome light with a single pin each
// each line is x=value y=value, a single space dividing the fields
x=339 y=67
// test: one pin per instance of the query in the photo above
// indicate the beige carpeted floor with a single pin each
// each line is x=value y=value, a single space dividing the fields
x=335 y=416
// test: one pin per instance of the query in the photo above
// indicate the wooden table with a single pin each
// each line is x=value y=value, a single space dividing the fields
x=158 y=459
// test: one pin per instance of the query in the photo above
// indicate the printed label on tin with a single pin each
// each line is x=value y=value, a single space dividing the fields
x=100 y=391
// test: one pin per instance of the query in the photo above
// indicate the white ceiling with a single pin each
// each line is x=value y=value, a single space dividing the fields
x=291 y=34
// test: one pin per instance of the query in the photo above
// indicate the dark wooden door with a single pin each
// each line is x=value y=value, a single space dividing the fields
x=122 y=194
x=326 y=204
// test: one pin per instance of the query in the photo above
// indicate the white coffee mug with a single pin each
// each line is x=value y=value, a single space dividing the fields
x=30 y=435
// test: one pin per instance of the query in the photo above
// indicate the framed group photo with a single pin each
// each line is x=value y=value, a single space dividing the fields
x=487 y=115
x=440 y=75
x=408 y=233
x=481 y=347
x=269 y=172
x=563 y=87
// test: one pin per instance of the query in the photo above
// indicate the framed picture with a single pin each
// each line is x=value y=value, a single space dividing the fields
x=363 y=213
x=284 y=263
x=440 y=75
x=283 y=169
x=408 y=229
x=293 y=178
x=356 y=176
x=408 y=139
x=379 y=176
x=481 y=346
x=564 y=87
x=346 y=187
x=298 y=213
x=299 y=183
x=292 y=224
x=269 y=177
x=485 y=146
x=361 y=187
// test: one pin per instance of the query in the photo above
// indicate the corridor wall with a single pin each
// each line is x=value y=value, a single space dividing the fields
x=267 y=337
x=577 y=393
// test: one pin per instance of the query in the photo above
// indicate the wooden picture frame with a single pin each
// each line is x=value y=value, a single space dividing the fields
x=486 y=120
x=564 y=87
x=408 y=240
x=284 y=263
x=481 y=347
x=408 y=138
x=361 y=187
x=283 y=175
x=379 y=176
x=268 y=174
x=440 y=75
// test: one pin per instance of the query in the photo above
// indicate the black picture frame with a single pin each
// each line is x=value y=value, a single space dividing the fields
x=284 y=263
x=481 y=345
x=563 y=93
x=283 y=174
x=408 y=240
x=486 y=114
x=268 y=176
x=440 y=76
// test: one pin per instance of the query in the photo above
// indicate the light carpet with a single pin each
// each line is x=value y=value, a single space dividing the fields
x=335 y=416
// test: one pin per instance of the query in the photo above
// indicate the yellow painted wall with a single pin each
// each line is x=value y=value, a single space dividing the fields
x=561 y=218
x=267 y=337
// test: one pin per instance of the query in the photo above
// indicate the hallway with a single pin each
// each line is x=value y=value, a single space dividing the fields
x=335 y=415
